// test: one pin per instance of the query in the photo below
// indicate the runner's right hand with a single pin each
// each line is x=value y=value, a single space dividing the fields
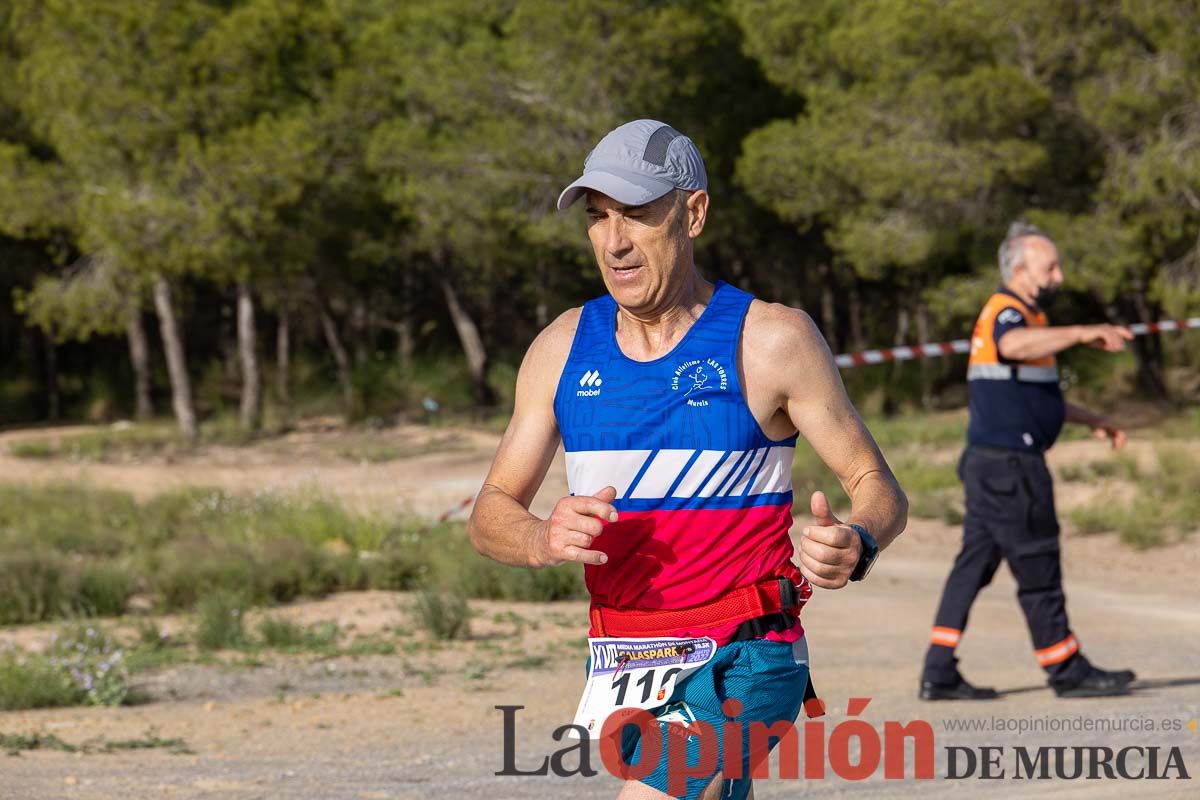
x=574 y=523
x=1110 y=338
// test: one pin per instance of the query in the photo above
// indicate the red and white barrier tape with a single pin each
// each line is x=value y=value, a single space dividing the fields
x=448 y=513
x=909 y=352
x=903 y=353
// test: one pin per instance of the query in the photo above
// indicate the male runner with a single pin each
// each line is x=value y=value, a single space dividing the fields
x=1017 y=410
x=678 y=402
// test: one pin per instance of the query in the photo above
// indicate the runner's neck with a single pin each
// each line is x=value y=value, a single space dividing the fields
x=654 y=333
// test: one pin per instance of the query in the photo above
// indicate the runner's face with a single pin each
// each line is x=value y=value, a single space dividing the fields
x=641 y=250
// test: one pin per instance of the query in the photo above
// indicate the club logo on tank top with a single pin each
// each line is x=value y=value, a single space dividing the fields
x=694 y=378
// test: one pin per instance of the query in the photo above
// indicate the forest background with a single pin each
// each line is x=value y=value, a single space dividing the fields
x=253 y=210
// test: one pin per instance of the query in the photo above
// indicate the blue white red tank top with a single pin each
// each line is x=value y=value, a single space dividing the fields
x=704 y=496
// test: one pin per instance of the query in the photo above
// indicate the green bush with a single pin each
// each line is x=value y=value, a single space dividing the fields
x=399 y=567
x=1178 y=476
x=1143 y=524
x=104 y=588
x=936 y=504
x=95 y=662
x=280 y=633
x=274 y=571
x=918 y=475
x=32 y=586
x=929 y=429
x=288 y=568
x=220 y=621
x=32 y=448
x=445 y=615
x=35 y=681
x=809 y=474
x=38 y=584
x=1092 y=519
x=73 y=551
x=104 y=444
x=184 y=571
x=1073 y=472
x=454 y=564
x=1121 y=465
x=66 y=517
x=150 y=636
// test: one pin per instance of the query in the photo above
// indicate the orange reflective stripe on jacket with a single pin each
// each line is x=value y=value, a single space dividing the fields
x=985 y=363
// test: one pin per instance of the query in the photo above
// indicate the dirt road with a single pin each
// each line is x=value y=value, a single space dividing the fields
x=422 y=722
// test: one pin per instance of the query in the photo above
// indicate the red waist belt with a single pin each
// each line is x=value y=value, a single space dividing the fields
x=786 y=592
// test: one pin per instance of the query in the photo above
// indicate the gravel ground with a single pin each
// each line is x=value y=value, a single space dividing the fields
x=422 y=722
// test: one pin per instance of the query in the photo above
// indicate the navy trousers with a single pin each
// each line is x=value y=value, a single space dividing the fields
x=1009 y=515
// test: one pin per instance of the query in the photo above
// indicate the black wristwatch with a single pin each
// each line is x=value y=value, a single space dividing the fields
x=870 y=552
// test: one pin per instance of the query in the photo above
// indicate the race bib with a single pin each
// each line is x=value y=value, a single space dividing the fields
x=636 y=673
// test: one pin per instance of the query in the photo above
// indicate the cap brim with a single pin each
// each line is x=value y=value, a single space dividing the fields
x=628 y=188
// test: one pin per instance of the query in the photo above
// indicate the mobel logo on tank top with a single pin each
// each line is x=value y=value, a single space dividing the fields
x=589 y=384
x=694 y=378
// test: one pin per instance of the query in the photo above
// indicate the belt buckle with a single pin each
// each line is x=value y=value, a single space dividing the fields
x=788 y=597
x=597 y=620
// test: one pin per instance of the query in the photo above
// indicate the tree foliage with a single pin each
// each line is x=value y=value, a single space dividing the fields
x=382 y=175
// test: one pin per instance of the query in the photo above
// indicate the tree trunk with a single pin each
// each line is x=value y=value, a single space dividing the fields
x=890 y=397
x=139 y=358
x=472 y=344
x=247 y=336
x=329 y=328
x=181 y=387
x=404 y=328
x=358 y=330
x=922 y=316
x=542 y=309
x=227 y=340
x=857 y=340
x=404 y=341
x=1147 y=350
x=902 y=321
x=50 y=376
x=283 y=362
x=31 y=346
x=828 y=311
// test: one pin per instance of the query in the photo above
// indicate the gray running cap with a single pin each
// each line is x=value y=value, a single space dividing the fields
x=639 y=162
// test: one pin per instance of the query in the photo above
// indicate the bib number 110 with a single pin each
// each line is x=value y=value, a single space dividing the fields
x=646 y=681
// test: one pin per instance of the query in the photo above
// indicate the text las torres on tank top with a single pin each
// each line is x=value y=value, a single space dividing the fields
x=704 y=496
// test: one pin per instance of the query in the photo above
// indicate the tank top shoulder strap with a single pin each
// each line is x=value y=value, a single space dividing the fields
x=595 y=321
x=734 y=305
x=590 y=348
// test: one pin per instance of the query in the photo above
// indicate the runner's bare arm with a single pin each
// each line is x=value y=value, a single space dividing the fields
x=810 y=391
x=501 y=526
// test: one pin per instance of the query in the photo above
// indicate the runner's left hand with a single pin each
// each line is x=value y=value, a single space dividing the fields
x=829 y=550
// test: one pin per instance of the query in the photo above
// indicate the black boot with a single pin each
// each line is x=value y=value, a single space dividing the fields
x=1096 y=682
x=956 y=691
